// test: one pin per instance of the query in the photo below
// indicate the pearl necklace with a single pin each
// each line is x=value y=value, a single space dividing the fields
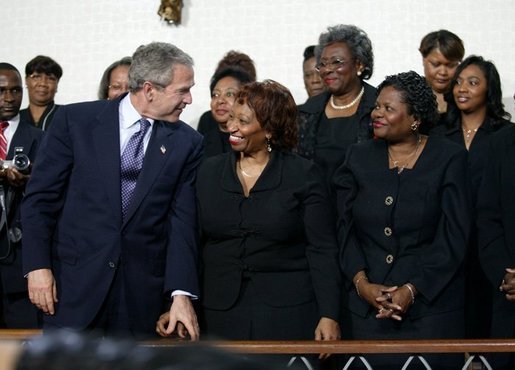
x=347 y=106
x=407 y=160
x=469 y=133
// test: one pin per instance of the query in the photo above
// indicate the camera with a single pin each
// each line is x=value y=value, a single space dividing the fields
x=20 y=161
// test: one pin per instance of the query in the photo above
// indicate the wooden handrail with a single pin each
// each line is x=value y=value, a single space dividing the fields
x=356 y=346
x=337 y=346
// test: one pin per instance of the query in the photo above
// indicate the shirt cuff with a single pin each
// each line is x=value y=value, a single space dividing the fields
x=182 y=292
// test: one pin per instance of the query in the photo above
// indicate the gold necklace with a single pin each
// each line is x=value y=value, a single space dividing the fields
x=469 y=133
x=246 y=174
x=347 y=106
x=407 y=160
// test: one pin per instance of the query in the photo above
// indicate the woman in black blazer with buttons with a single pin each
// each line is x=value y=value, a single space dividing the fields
x=269 y=251
x=403 y=225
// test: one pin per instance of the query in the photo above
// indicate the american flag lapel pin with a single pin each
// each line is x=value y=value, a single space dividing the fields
x=163 y=149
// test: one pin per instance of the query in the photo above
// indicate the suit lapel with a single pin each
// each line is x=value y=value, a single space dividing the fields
x=105 y=137
x=21 y=139
x=160 y=147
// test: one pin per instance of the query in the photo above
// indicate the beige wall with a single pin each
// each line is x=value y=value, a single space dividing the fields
x=86 y=36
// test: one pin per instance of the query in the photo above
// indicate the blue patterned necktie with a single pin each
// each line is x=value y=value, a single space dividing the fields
x=131 y=163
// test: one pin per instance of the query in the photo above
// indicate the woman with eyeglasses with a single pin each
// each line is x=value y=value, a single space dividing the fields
x=115 y=80
x=224 y=87
x=42 y=75
x=330 y=122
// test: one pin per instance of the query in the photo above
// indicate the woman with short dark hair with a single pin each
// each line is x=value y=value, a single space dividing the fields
x=42 y=75
x=403 y=226
x=442 y=51
x=269 y=252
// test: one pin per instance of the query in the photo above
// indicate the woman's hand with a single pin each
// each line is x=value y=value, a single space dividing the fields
x=395 y=302
x=370 y=292
x=508 y=284
x=327 y=329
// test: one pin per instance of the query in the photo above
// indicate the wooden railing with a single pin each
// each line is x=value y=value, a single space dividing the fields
x=352 y=347
x=337 y=346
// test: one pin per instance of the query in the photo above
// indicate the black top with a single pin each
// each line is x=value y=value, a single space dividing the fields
x=281 y=236
x=206 y=123
x=312 y=129
x=215 y=141
x=496 y=211
x=45 y=119
x=409 y=227
x=477 y=150
x=335 y=136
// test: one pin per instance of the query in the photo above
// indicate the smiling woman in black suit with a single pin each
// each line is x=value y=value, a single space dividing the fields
x=403 y=225
x=269 y=247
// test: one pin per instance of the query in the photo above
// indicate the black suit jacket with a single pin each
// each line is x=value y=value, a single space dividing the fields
x=281 y=237
x=496 y=225
x=412 y=227
x=73 y=224
x=11 y=274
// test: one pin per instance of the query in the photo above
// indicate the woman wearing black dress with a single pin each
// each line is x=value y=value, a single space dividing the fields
x=403 y=226
x=269 y=251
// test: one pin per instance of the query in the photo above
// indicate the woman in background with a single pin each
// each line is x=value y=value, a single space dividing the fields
x=333 y=120
x=475 y=112
x=403 y=226
x=234 y=59
x=312 y=80
x=442 y=51
x=115 y=80
x=42 y=75
x=224 y=87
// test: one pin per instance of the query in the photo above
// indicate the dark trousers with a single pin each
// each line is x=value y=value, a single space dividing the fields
x=113 y=318
x=19 y=312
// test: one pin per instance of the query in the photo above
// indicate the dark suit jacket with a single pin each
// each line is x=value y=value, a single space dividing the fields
x=11 y=274
x=496 y=225
x=72 y=215
x=281 y=237
x=405 y=228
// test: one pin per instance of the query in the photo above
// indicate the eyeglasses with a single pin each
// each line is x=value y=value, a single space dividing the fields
x=43 y=77
x=334 y=64
x=118 y=87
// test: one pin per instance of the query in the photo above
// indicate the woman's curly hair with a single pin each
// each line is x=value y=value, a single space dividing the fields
x=275 y=110
x=417 y=95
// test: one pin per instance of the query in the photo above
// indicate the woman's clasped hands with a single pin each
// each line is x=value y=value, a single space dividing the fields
x=391 y=302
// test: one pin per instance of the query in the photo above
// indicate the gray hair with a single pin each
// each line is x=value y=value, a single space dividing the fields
x=154 y=63
x=356 y=39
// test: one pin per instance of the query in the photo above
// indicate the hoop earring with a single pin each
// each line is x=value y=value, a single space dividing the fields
x=414 y=126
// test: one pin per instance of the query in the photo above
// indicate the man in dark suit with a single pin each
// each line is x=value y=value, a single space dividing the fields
x=109 y=213
x=16 y=137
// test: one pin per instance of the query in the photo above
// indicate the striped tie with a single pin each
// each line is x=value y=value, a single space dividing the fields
x=3 y=140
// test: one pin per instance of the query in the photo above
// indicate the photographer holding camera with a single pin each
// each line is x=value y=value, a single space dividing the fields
x=19 y=142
